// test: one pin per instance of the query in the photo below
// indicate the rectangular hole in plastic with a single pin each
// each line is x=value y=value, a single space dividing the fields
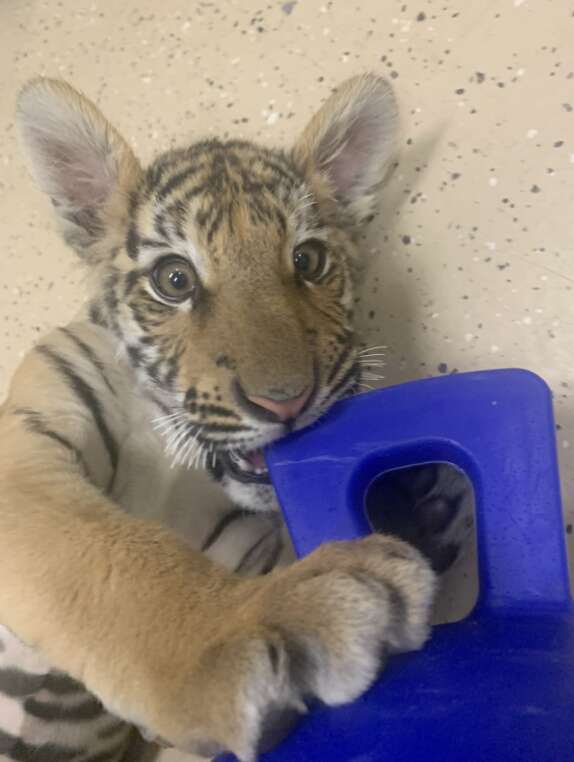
x=432 y=507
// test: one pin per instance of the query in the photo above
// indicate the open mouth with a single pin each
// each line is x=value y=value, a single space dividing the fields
x=247 y=466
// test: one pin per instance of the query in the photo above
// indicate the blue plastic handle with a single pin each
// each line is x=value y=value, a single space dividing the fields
x=498 y=685
x=497 y=426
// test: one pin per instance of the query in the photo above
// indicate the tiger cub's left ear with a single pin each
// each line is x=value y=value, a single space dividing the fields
x=78 y=159
x=349 y=143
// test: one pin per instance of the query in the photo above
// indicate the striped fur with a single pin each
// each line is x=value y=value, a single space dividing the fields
x=176 y=612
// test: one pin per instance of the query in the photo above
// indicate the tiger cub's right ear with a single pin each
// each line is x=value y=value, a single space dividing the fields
x=78 y=159
x=350 y=143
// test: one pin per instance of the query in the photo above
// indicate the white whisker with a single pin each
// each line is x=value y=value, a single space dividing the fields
x=180 y=439
x=167 y=416
x=166 y=425
x=187 y=449
x=376 y=347
x=195 y=458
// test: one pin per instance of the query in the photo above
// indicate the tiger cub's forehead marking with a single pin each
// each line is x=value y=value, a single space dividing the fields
x=196 y=201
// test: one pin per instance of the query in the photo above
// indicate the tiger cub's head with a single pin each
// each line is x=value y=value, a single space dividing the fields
x=224 y=269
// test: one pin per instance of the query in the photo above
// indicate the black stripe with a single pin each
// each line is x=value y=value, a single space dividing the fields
x=155 y=173
x=131 y=280
x=135 y=354
x=61 y=684
x=89 y=353
x=215 y=224
x=16 y=682
x=221 y=526
x=177 y=211
x=110 y=296
x=243 y=565
x=221 y=428
x=95 y=315
x=209 y=409
x=87 y=395
x=159 y=226
x=282 y=171
x=132 y=242
x=196 y=191
x=57 y=712
x=203 y=216
x=35 y=424
x=176 y=180
x=274 y=557
x=338 y=364
x=347 y=378
x=20 y=751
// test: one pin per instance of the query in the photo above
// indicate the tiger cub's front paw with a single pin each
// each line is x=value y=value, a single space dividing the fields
x=319 y=629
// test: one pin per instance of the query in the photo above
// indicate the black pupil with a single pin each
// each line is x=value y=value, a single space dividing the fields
x=178 y=279
x=302 y=261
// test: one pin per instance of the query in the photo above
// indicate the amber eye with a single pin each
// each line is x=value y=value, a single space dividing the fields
x=174 y=279
x=310 y=260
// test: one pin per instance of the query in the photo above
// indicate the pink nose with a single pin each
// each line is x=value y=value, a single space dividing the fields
x=284 y=409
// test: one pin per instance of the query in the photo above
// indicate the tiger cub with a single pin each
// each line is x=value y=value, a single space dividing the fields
x=219 y=319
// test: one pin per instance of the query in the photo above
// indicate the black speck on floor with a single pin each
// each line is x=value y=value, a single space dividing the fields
x=459 y=91
x=535 y=189
x=406 y=239
x=442 y=367
x=480 y=77
x=567 y=107
x=421 y=16
x=568 y=528
x=287 y=8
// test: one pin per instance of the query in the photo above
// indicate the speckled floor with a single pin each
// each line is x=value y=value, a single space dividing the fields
x=472 y=260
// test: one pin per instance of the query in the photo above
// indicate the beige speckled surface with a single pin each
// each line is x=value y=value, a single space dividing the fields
x=473 y=261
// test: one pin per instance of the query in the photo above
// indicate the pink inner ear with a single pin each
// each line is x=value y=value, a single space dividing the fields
x=80 y=172
x=349 y=168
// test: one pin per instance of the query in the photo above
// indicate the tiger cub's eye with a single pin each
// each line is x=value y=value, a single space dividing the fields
x=174 y=279
x=310 y=260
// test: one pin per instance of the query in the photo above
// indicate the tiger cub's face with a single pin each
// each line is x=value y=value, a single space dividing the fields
x=224 y=269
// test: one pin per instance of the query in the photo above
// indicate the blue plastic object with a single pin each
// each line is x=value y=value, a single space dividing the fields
x=499 y=685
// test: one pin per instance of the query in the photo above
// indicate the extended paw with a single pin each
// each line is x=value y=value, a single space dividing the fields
x=319 y=629
x=324 y=628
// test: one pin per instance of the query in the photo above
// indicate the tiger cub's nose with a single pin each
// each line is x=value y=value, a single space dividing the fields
x=284 y=409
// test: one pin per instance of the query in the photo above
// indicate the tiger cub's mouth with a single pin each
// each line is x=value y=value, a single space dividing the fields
x=247 y=466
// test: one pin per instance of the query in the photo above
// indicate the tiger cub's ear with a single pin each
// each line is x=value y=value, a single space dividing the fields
x=78 y=159
x=348 y=145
